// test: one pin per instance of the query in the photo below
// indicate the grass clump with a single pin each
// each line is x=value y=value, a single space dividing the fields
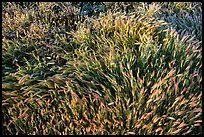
x=120 y=72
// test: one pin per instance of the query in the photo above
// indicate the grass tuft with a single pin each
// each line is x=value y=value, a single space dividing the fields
x=105 y=68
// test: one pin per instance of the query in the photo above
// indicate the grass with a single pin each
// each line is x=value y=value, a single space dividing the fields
x=133 y=69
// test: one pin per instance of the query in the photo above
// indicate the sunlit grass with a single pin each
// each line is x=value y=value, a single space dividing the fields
x=132 y=72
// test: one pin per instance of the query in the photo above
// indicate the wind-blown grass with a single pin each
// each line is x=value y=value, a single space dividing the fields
x=114 y=73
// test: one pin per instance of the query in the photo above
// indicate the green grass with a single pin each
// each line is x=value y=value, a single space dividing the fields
x=133 y=69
